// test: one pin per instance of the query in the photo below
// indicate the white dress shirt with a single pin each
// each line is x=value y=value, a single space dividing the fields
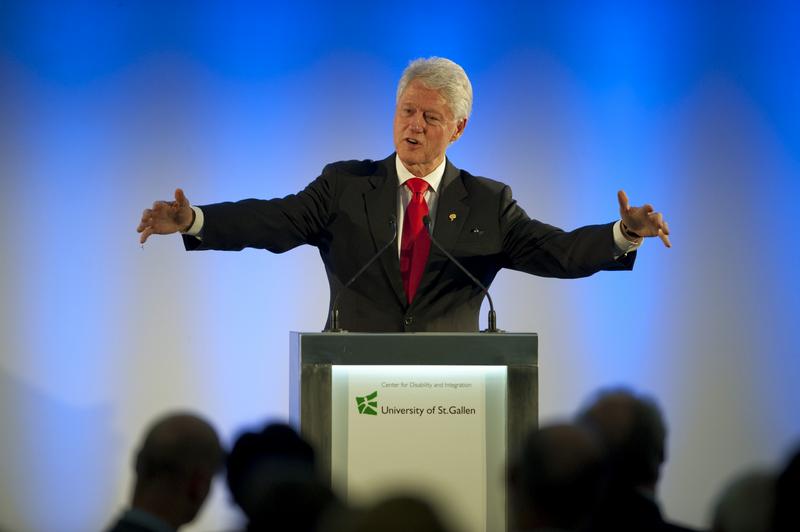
x=404 y=194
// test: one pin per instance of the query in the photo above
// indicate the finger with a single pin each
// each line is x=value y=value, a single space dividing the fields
x=656 y=218
x=648 y=208
x=624 y=205
x=159 y=204
x=180 y=198
x=145 y=235
x=664 y=238
x=658 y=222
x=145 y=221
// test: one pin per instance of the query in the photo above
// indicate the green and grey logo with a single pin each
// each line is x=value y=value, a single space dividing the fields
x=368 y=404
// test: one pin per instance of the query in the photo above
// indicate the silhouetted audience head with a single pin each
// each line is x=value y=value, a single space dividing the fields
x=746 y=504
x=555 y=482
x=174 y=467
x=787 y=497
x=272 y=477
x=633 y=432
x=403 y=513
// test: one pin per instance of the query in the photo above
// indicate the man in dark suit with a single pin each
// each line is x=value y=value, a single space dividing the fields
x=356 y=208
x=272 y=476
x=555 y=482
x=174 y=468
x=633 y=434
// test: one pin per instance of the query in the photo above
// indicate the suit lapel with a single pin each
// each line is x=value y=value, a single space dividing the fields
x=451 y=210
x=381 y=204
x=451 y=214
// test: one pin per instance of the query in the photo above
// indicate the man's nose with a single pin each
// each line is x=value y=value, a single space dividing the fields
x=417 y=124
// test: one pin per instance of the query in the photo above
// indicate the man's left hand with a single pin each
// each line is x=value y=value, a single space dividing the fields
x=642 y=221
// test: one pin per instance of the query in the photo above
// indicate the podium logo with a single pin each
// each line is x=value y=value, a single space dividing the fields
x=367 y=404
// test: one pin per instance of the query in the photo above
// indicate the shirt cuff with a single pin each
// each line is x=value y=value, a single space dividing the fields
x=624 y=246
x=197 y=226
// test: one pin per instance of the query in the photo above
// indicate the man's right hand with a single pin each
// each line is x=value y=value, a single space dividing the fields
x=166 y=217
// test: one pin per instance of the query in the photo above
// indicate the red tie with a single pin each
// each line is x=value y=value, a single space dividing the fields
x=416 y=242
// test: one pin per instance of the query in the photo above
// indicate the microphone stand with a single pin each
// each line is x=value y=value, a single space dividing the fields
x=492 y=319
x=335 y=307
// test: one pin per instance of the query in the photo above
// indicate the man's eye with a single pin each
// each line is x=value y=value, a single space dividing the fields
x=431 y=119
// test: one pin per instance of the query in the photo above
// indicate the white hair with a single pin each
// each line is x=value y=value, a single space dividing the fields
x=445 y=76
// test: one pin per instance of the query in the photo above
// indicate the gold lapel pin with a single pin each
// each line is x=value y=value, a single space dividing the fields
x=452 y=216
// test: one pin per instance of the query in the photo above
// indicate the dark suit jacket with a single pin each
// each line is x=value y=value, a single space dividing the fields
x=346 y=214
x=627 y=510
x=142 y=522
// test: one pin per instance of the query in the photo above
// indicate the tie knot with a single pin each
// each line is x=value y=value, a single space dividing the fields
x=417 y=185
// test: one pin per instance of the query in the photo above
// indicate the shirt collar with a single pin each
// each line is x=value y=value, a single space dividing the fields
x=434 y=179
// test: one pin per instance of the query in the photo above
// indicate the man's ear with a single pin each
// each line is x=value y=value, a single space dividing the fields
x=460 y=125
x=198 y=486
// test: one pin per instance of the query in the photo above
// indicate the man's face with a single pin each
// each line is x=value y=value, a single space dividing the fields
x=423 y=128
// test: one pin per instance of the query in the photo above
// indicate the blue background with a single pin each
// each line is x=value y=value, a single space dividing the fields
x=107 y=106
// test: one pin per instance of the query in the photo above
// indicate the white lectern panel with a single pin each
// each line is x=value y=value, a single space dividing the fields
x=437 y=431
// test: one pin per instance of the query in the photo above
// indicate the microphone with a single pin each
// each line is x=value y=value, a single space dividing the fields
x=492 y=325
x=335 y=307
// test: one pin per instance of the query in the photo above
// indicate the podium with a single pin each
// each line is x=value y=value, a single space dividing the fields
x=432 y=414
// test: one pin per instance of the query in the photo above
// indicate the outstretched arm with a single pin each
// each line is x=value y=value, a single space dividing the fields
x=638 y=222
x=166 y=217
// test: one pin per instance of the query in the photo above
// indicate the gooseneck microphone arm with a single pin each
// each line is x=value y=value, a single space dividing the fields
x=492 y=321
x=334 y=321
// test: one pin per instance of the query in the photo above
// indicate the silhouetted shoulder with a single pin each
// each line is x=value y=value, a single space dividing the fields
x=357 y=168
